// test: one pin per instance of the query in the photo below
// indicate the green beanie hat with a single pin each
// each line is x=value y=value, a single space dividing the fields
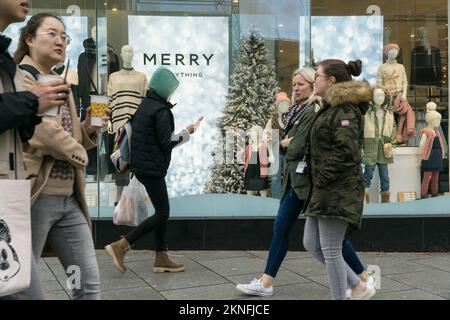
x=163 y=83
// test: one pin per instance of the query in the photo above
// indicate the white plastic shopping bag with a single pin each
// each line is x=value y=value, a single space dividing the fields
x=132 y=208
x=15 y=236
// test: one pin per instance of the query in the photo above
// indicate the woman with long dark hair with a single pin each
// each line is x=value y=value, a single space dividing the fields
x=334 y=151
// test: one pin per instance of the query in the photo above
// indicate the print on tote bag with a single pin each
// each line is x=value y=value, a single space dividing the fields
x=9 y=261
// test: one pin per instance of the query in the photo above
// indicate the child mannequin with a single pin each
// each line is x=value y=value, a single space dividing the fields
x=379 y=138
x=431 y=151
x=256 y=168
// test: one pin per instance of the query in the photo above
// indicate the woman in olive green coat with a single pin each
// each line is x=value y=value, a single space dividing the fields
x=294 y=188
x=334 y=150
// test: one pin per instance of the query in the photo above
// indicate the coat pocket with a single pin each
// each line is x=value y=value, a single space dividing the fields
x=33 y=164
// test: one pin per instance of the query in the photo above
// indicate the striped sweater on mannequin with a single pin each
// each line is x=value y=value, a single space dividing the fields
x=126 y=89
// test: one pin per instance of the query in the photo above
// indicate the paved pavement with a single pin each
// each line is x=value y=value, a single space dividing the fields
x=214 y=274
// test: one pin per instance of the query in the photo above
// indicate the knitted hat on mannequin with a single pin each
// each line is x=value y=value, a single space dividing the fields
x=390 y=46
x=432 y=114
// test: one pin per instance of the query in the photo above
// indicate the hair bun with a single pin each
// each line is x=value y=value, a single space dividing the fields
x=355 y=67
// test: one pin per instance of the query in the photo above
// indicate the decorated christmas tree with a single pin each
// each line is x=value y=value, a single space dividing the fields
x=250 y=102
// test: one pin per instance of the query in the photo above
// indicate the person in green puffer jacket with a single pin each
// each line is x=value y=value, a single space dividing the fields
x=380 y=135
x=333 y=156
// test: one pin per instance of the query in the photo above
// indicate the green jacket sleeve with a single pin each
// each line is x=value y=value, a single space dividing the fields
x=297 y=147
x=346 y=148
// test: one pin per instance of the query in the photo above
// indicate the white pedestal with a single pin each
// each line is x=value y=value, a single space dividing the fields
x=404 y=175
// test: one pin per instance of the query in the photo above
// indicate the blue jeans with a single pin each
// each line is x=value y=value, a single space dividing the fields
x=276 y=178
x=383 y=172
x=290 y=208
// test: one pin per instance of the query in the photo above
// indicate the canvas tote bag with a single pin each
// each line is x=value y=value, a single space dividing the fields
x=15 y=236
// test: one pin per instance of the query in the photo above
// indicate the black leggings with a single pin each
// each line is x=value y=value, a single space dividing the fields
x=157 y=191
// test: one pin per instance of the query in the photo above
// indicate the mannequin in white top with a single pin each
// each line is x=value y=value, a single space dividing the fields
x=392 y=74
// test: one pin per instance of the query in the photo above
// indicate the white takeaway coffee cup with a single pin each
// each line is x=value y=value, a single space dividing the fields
x=43 y=79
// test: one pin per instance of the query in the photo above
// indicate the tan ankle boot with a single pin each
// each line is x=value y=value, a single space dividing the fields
x=367 y=197
x=164 y=264
x=117 y=250
x=385 y=197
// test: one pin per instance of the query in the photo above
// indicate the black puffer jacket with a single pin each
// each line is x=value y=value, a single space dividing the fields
x=151 y=139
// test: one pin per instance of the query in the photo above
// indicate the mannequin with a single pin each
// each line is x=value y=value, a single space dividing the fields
x=426 y=67
x=387 y=39
x=276 y=126
x=256 y=168
x=379 y=137
x=431 y=151
x=126 y=88
x=392 y=76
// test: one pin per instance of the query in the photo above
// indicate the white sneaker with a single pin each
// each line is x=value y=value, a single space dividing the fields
x=348 y=294
x=255 y=288
x=363 y=295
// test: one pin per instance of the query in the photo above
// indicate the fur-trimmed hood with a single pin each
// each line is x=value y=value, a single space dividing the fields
x=350 y=92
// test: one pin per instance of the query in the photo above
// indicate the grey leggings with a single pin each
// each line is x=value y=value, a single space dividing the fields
x=323 y=239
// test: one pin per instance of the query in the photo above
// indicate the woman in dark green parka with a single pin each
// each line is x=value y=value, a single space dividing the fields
x=334 y=150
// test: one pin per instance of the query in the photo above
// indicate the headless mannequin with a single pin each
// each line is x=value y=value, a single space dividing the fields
x=256 y=133
x=433 y=123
